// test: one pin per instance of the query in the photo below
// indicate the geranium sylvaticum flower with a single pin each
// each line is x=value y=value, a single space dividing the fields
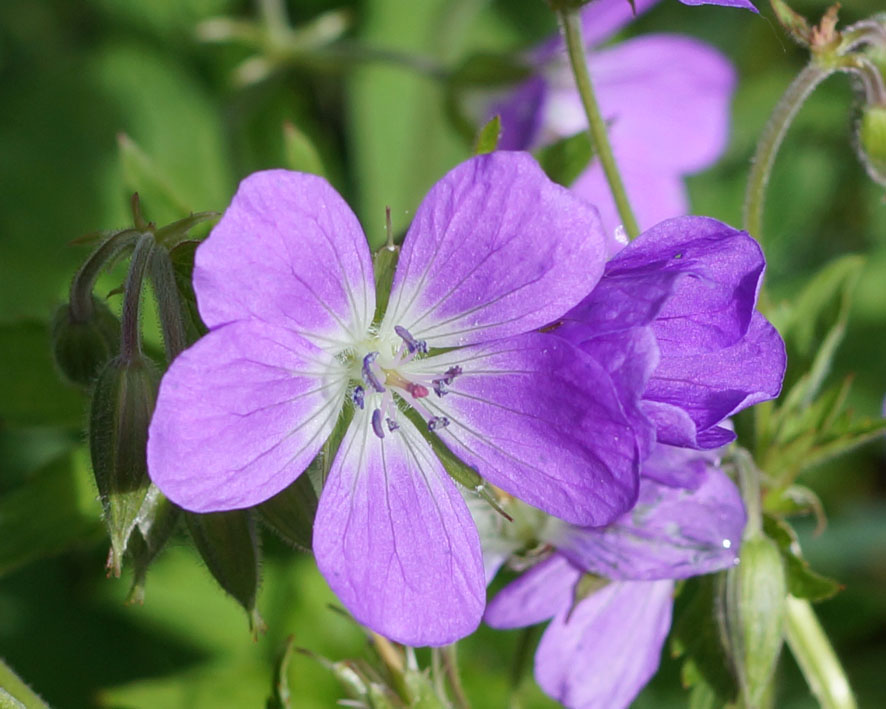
x=285 y=284
x=606 y=633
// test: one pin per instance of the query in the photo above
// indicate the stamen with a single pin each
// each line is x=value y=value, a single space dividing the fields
x=368 y=375
x=412 y=344
x=392 y=425
x=441 y=385
x=436 y=422
x=440 y=388
x=376 y=424
x=357 y=396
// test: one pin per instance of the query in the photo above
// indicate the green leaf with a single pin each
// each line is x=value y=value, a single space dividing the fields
x=487 y=138
x=54 y=511
x=489 y=69
x=803 y=582
x=567 y=158
x=33 y=393
x=301 y=155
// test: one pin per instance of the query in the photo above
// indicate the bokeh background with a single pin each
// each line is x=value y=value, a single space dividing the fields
x=75 y=77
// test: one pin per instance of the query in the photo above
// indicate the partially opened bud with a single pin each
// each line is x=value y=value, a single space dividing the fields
x=122 y=404
x=871 y=142
x=752 y=615
x=83 y=344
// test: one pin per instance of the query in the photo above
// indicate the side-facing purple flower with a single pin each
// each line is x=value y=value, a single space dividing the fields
x=599 y=651
x=665 y=99
x=285 y=284
x=680 y=299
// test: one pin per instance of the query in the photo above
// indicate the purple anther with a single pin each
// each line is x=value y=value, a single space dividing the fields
x=368 y=375
x=392 y=425
x=452 y=373
x=436 y=422
x=376 y=424
x=440 y=387
x=357 y=396
x=412 y=344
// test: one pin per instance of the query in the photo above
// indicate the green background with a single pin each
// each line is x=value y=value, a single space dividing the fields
x=76 y=75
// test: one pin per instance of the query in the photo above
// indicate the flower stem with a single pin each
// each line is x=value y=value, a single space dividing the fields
x=571 y=24
x=450 y=666
x=770 y=141
x=84 y=281
x=816 y=657
x=130 y=345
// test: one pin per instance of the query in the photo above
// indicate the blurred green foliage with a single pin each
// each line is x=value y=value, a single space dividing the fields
x=103 y=97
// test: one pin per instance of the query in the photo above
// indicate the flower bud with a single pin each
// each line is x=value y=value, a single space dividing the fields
x=228 y=543
x=122 y=404
x=752 y=615
x=871 y=141
x=83 y=345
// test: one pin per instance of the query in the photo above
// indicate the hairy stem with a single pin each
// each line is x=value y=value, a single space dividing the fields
x=130 y=345
x=770 y=141
x=814 y=654
x=571 y=25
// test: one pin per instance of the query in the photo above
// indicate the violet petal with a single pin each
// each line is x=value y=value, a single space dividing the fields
x=240 y=414
x=495 y=249
x=288 y=251
x=395 y=541
x=536 y=595
x=671 y=533
x=602 y=654
x=541 y=420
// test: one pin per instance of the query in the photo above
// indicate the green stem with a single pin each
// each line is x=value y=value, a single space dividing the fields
x=571 y=24
x=130 y=345
x=450 y=665
x=816 y=657
x=84 y=280
x=770 y=141
x=17 y=693
x=169 y=303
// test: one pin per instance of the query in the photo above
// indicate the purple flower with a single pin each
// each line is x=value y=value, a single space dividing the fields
x=285 y=285
x=673 y=317
x=601 y=650
x=665 y=99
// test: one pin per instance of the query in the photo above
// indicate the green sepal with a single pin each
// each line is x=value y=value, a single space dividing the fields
x=157 y=520
x=290 y=513
x=803 y=582
x=586 y=586
x=173 y=234
x=81 y=347
x=300 y=153
x=695 y=638
x=384 y=264
x=488 y=137
x=229 y=544
x=122 y=404
x=564 y=160
x=182 y=257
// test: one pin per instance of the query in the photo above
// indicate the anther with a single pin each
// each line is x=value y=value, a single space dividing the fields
x=376 y=424
x=412 y=344
x=368 y=375
x=392 y=425
x=357 y=396
x=436 y=422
